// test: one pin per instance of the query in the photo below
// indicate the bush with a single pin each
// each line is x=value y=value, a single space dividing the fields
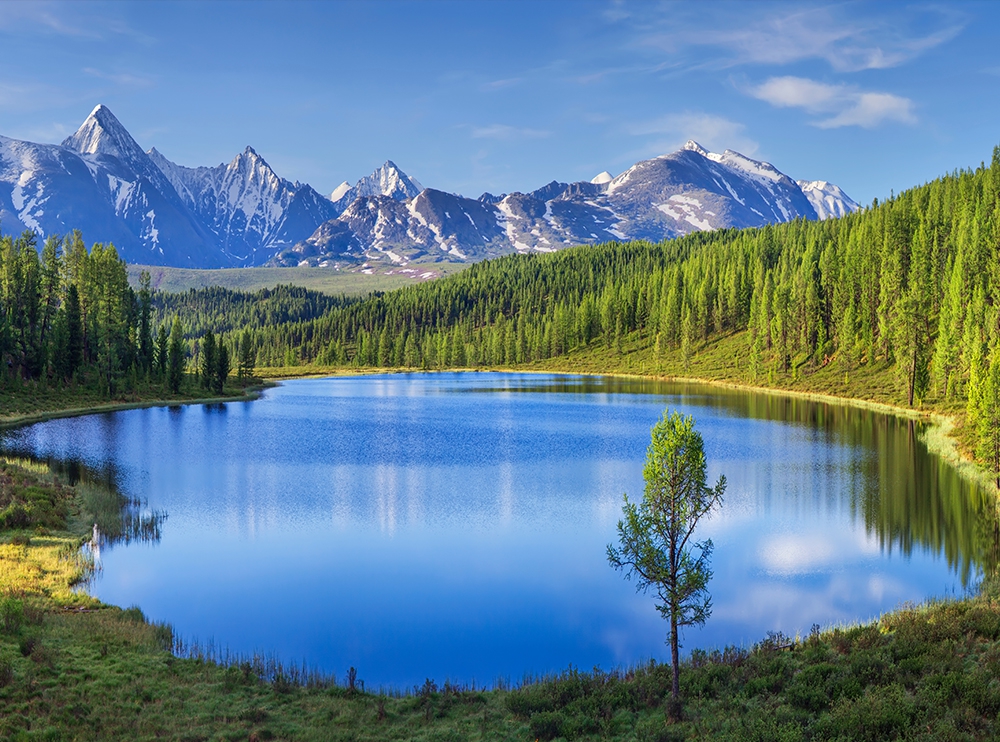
x=14 y=516
x=547 y=725
x=11 y=615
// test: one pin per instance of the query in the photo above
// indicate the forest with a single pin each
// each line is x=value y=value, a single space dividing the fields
x=910 y=283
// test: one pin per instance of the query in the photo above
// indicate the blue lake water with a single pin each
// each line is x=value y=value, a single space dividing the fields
x=454 y=526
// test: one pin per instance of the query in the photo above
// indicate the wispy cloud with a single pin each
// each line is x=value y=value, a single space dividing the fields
x=120 y=78
x=839 y=105
x=847 y=40
x=668 y=133
x=509 y=82
x=506 y=133
x=68 y=19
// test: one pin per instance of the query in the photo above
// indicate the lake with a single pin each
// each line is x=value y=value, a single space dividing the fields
x=454 y=526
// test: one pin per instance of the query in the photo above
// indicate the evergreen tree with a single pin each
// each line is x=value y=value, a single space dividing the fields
x=209 y=360
x=145 y=336
x=161 y=351
x=222 y=368
x=175 y=357
x=656 y=535
x=988 y=417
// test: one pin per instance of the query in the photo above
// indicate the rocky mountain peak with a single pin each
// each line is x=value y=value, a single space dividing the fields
x=102 y=133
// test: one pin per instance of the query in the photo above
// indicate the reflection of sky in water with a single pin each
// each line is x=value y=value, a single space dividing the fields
x=454 y=526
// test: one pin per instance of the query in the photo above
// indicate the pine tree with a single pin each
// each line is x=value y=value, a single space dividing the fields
x=988 y=417
x=175 y=357
x=209 y=360
x=222 y=367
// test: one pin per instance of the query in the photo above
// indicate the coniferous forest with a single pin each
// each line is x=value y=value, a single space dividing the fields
x=910 y=284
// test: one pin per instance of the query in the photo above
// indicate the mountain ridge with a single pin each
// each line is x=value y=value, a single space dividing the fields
x=242 y=213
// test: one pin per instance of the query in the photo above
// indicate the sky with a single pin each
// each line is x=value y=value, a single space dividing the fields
x=505 y=96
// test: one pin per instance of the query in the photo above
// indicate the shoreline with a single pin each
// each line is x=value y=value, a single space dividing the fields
x=250 y=394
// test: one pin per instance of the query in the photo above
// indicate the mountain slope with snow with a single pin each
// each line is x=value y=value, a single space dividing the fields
x=387 y=180
x=668 y=196
x=99 y=180
x=251 y=211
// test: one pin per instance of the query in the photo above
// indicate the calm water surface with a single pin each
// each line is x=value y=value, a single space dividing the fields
x=454 y=526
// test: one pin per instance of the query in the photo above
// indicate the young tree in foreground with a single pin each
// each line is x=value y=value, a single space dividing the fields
x=655 y=535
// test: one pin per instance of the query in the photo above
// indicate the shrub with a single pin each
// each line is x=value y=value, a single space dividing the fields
x=11 y=614
x=547 y=725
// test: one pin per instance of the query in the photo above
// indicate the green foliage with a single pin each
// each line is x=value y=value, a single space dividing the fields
x=70 y=313
x=655 y=537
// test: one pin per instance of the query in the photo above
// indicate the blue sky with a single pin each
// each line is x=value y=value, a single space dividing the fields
x=502 y=96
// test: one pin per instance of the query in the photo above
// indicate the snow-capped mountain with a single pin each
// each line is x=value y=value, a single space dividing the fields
x=827 y=199
x=251 y=211
x=100 y=181
x=672 y=195
x=387 y=180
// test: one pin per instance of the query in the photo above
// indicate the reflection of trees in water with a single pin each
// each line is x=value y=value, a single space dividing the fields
x=117 y=518
x=908 y=497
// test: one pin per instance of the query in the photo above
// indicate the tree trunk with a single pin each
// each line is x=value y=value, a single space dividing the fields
x=674 y=707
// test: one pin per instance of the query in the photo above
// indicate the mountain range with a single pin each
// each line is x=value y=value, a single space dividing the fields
x=99 y=180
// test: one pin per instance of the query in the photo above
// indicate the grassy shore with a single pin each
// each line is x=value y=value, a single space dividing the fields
x=73 y=668
x=32 y=402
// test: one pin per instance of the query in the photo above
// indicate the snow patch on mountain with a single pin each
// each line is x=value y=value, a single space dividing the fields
x=828 y=199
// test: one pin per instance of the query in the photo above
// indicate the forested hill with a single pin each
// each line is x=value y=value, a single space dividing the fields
x=911 y=284
x=224 y=310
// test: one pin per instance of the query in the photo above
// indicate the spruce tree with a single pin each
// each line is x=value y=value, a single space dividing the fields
x=209 y=361
x=175 y=357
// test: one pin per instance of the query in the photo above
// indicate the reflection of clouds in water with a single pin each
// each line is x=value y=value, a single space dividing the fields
x=505 y=501
x=609 y=483
x=791 y=554
x=340 y=495
x=414 y=488
x=842 y=598
x=788 y=554
x=385 y=498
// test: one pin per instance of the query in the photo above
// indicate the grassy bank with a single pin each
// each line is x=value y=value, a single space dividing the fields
x=30 y=402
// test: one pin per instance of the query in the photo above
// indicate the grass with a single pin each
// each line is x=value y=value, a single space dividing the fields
x=324 y=280
x=27 y=402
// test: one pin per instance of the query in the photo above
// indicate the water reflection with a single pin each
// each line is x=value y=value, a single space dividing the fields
x=114 y=517
x=454 y=525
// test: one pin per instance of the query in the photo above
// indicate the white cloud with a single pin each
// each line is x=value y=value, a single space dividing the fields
x=713 y=132
x=870 y=110
x=843 y=105
x=501 y=84
x=505 y=132
x=847 y=40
